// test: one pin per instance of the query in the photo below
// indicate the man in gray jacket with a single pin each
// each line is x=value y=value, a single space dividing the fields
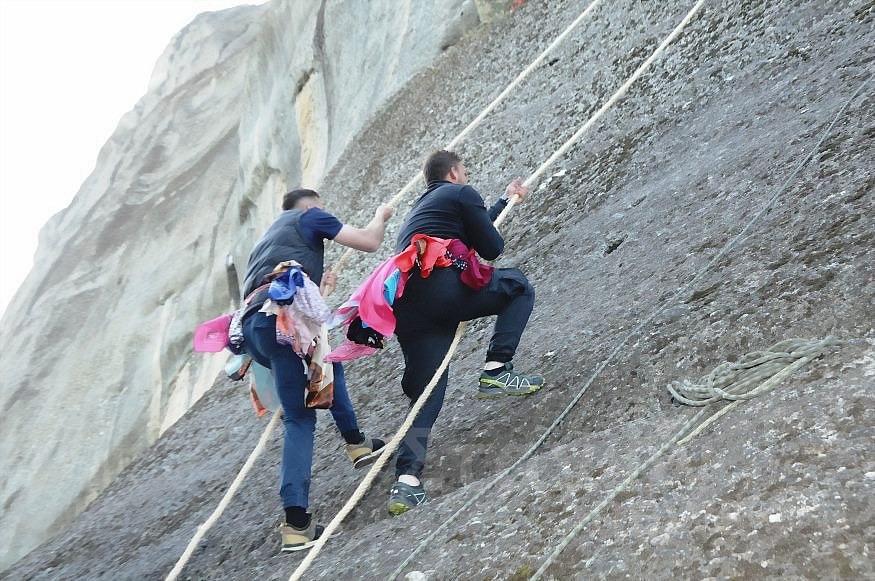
x=299 y=234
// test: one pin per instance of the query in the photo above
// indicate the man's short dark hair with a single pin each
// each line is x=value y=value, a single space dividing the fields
x=439 y=164
x=292 y=198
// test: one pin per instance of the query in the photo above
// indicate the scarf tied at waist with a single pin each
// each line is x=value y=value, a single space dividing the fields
x=368 y=313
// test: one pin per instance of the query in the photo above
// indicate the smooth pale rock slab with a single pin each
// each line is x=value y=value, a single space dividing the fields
x=101 y=328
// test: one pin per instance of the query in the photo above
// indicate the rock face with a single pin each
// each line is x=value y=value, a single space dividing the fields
x=782 y=487
x=99 y=335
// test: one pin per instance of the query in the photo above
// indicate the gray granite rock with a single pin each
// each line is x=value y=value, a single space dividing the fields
x=781 y=487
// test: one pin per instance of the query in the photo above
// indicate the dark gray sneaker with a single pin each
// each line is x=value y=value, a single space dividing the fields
x=508 y=382
x=403 y=497
x=366 y=452
x=295 y=539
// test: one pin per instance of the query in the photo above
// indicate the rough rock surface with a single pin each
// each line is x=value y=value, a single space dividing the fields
x=782 y=487
x=99 y=335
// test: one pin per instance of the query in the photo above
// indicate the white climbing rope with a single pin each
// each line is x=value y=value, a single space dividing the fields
x=477 y=120
x=767 y=368
x=636 y=331
x=608 y=104
x=395 y=199
x=365 y=484
x=564 y=148
x=226 y=500
x=383 y=459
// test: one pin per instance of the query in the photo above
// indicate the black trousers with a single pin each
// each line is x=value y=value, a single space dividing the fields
x=427 y=316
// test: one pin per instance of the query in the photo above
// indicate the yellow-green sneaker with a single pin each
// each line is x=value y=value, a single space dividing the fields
x=506 y=381
x=403 y=497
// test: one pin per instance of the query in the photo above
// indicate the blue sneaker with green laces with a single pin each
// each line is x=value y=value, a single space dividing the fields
x=403 y=497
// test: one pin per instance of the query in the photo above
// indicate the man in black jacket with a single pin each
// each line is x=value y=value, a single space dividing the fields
x=430 y=309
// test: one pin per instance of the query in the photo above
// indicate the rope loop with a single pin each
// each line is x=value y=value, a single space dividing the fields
x=734 y=381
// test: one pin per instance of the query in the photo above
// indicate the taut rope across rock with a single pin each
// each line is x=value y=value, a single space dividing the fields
x=259 y=448
x=767 y=206
x=392 y=445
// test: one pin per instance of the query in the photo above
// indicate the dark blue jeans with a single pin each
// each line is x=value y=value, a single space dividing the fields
x=427 y=316
x=259 y=332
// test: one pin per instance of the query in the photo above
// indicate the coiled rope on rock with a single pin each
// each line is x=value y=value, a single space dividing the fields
x=729 y=380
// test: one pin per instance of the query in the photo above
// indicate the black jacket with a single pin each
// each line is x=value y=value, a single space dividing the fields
x=448 y=210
